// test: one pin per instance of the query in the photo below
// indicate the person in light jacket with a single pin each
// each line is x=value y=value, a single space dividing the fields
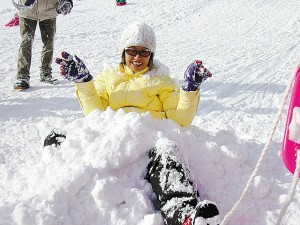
x=43 y=13
x=141 y=84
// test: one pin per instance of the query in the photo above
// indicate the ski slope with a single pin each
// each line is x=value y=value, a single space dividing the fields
x=96 y=176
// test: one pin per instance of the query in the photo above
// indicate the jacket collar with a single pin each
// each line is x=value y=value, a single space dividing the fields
x=125 y=69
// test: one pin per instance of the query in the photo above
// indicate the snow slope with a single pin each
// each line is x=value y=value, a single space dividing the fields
x=96 y=176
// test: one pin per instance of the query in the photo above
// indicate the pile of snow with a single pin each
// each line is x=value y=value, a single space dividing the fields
x=97 y=175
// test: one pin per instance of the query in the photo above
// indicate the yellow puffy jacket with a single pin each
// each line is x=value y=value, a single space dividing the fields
x=147 y=91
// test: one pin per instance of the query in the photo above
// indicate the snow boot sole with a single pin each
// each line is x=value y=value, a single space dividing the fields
x=50 y=80
x=21 y=84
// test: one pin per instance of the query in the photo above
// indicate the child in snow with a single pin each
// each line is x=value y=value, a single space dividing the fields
x=142 y=84
x=43 y=13
x=121 y=2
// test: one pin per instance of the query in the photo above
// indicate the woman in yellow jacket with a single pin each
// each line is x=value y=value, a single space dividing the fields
x=142 y=84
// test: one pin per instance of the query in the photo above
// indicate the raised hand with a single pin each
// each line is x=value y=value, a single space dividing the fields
x=73 y=70
x=64 y=7
x=194 y=75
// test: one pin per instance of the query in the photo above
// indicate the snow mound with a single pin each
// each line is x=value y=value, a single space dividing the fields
x=97 y=174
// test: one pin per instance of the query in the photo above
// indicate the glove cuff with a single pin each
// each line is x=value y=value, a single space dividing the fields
x=84 y=79
x=88 y=78
x=189 y=85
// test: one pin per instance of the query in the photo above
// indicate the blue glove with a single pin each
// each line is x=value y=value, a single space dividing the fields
x=64 y=7
x=73 y=70
x=194 y=75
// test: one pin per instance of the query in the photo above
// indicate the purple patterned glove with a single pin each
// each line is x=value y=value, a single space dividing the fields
x=73 y=70
x=194 y=75
x=64 y=7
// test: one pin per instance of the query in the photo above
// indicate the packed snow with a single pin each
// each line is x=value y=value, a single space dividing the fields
x=97 y=175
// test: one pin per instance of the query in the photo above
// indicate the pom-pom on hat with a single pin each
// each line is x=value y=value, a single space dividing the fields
x=138 y=34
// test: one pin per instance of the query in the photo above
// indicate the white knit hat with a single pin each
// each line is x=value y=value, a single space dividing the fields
x=138 y=34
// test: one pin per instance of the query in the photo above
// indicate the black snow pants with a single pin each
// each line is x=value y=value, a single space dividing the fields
x=171 y=183
x=169 y=177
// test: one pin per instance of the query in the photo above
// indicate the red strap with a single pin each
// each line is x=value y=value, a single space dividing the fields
x=188 y=221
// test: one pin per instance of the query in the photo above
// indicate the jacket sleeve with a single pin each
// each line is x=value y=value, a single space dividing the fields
x=92 y=95
x=179 y=105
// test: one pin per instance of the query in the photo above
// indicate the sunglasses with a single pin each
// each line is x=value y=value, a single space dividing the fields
x=134 y=52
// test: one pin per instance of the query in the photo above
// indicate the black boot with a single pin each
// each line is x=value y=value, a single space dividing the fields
x=176 y=193
x=22 y=84
x=205 y=213
x=54 y=138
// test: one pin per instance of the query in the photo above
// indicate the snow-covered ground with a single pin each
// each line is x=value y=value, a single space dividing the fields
x=6 y=4
x=96 y=176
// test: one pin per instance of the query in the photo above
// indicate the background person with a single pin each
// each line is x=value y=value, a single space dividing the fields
x=121 y=2
x=43 y=13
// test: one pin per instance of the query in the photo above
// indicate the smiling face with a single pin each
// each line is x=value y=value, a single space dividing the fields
x=137 y=63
